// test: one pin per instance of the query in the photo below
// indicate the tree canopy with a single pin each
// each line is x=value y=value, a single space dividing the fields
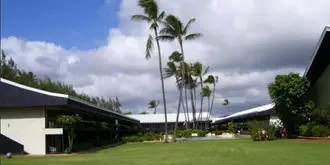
x=10 y=71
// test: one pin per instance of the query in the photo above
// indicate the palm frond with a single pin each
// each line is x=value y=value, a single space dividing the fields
x=175 y=23
x=188 y=25
x=154 y=25
x=193 y=36
x=149 y=47
x=206 y=70
x=175 y=56
x=161 y=16
x=165 y=38
x=140 y=17
x=168 y=30
x=150 y=8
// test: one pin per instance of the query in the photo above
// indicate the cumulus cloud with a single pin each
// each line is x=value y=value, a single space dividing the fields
x=246 y=43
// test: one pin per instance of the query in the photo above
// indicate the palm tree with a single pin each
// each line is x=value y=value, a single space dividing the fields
x=226 y=103
x=153 y=105
x=198 y=72
x=175 y=29
x=212 y=80
x=206 y=92
x=153 y=17
x=172 y=70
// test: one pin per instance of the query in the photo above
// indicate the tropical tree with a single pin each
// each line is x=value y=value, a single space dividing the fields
x=153 y=17
x=226 y=103
x=144 y=113
x=175 y=29
x=69 y=123
x=206 y=92
x=199 y=73
x=153 y=105
x=173 y=70
x=212 y=80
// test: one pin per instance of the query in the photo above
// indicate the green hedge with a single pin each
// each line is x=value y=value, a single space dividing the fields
x=312 y=129
x=146 y=137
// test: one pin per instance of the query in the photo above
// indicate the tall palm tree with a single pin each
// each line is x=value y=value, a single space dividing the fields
x=153 y=17
x=226 y=103
x=199 y=73
x=153 y=105
x=206 y=92
x=175 y=29
x=212 y=80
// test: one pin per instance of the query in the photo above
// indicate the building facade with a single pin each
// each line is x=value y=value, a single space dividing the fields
x=28 y=121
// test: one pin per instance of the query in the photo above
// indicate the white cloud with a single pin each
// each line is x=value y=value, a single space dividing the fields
x=246 y=43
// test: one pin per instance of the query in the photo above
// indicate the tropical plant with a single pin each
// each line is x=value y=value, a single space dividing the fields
x=199 y=73
x=206 y=92
x=175 y=29
x=69 y=123
x=153 y=17
x=153 y=105
x=226 y=103
x=211 y=80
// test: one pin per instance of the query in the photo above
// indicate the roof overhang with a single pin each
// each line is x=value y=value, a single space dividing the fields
x=320 y=58
x=17 y=95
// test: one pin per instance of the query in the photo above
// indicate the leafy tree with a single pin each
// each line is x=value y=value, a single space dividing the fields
x=175 y=29
x=153 y=17
x=69 y=123
x=10 y=72
x=289 y=94
x=144 y=113
x=226 y=103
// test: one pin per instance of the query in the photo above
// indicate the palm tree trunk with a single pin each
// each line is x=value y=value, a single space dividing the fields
x=177 y=115
x=184 y=109
x=209 y=109
x=193 y=107
x=202 y=99
x=162 y=82
x=212 y=101
x=183 y=79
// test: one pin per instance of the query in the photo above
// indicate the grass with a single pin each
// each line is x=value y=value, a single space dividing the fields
x=226 y=152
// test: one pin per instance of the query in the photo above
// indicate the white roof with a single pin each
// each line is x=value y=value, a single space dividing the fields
x=160 y=118
x=57 y=95
x=248 y=111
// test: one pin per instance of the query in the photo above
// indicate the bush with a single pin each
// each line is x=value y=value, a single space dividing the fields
x=133 y=139
x=151 y=136
x=256 y=128
x=218 y=132
x=320 y=131
x=231 y=127
x=304 y=130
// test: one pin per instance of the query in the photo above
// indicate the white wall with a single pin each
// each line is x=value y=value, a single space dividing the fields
x=26 y=126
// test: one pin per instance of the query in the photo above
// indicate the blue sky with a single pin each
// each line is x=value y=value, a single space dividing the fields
x=69 y=23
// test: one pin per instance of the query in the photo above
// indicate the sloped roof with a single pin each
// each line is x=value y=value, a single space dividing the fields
x=320 y=58
x=160 y=118
x=17 y=95
x=247 y=112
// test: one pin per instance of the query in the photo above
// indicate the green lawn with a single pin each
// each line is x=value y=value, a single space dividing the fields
x=225 y=152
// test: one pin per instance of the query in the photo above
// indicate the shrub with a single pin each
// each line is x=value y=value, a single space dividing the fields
x=231 y=127
x=151 y=136
x=187 y=133
x=256 y=128
x=133 y=139
x=320 y=131
x=304 y=130
x=218 y=132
